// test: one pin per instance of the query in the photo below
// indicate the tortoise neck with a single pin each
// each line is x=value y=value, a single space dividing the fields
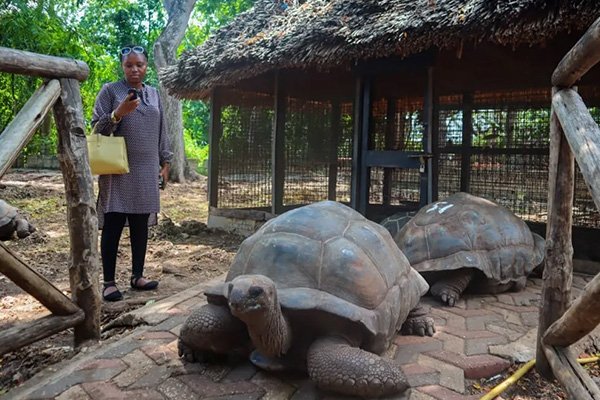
x=271 y=333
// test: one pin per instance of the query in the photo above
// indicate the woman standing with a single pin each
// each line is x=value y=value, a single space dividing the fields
x=131 y=109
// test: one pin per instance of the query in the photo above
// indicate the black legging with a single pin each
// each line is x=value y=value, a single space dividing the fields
x=109 y=243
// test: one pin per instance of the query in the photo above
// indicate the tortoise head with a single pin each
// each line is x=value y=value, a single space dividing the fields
x=249 y=295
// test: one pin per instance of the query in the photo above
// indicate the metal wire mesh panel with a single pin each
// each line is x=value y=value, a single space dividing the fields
x=449 y=174
x=244 y=163
x=404 y=186
x=310 y=151
x=516 y=181
x=344 y=154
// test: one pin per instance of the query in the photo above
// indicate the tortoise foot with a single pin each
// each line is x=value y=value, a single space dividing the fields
x=338 y=367
x=189 y=354
x=446 y=293
x=419 y=326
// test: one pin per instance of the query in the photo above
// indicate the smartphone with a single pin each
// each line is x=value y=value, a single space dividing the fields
x=135 y=93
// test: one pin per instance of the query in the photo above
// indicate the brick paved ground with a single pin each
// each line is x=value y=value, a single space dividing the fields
x=144 y=364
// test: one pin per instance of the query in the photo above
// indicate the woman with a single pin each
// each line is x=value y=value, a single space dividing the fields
x=131 y=198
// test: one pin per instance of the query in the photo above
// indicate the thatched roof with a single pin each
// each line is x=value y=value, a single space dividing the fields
x=333 y=33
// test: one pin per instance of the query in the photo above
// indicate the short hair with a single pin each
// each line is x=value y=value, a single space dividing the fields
x=121 y=56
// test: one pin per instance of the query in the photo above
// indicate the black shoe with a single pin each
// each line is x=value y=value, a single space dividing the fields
x=150 y=285
x=113 y=296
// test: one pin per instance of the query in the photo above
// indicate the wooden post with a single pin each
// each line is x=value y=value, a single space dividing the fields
x=335 y=134
x=20 y=130
x=390 y=125
x=215 y=133
x=583 y=136
x=81 y=209
x=583 y=56
x=35 y=284
x=26 y=63
x=355 y=184
x=558 y=272
x=428 y=111
x=467 y=142
x=278 y=146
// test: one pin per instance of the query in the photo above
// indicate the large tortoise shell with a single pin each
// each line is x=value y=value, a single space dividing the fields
x=7 y=213
x=326 y=256
x=468 y=231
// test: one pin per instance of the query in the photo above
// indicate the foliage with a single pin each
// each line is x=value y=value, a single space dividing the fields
x=93 y=31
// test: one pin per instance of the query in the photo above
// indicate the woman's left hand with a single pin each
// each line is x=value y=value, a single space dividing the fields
x=164 y=172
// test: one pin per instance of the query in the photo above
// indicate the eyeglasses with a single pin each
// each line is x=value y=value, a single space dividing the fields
x=136 y=49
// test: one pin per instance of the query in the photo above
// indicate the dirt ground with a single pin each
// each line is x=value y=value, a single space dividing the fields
x=182 y=252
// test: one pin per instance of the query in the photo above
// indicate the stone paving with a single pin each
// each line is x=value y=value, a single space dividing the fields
x=479 y=338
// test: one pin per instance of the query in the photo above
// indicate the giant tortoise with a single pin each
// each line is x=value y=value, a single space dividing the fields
x=467 y=241
x=318 y=288
x=11 y=220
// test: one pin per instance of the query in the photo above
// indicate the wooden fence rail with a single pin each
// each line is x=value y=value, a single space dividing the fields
x=82 y=311
x=20 y=130
x=574 y=135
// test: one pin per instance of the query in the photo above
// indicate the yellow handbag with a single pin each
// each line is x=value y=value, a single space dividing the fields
x=107 y=154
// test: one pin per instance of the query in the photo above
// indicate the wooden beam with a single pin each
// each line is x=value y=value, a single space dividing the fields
x=33 y=64
x=33 y=283
x=335 y=134
x=467 y=142
x=357 y=134
x=558 y=270
x=26 y=333
x=361 y=144
x=255 y=215
x=428 y=111
x=576 y=381
x=84 y=261
x=20 y=130
x=583 y=56
x=583 y=135
x=579 y=319
x=278 y=147
x=390 y=128
x=214 y=137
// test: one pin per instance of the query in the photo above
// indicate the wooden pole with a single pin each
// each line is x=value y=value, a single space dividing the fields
x=335 y=134
x=81 y=209
x=390 y=129
x=467 y=142
x=215 y=133
x=579 y=320
x=558 y=272
x=27 y=63
x=278 y=146
x=30 y=332
x=576 y=381
x=583 y=135
x=583 y=56
x=20 y=130
x=35 y=284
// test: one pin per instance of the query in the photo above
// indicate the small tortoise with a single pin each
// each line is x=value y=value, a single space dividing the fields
x=466 y=241
x=319 y=288
x=11 y=220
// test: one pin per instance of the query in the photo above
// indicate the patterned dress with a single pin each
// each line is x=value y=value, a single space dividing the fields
x=147 y=149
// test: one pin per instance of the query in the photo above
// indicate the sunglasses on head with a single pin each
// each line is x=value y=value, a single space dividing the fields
x=135 y=49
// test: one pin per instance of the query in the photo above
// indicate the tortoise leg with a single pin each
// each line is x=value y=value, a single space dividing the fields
x=449 y=289
x=418 y=323
x=489 y=287
x=337 y=366
x=22 y=227
x=211 y=329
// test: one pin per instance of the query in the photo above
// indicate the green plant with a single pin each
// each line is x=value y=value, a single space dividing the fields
x=195 y=151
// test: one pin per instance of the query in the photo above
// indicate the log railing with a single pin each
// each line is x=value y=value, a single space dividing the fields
x=574 y=136
x=59 y=92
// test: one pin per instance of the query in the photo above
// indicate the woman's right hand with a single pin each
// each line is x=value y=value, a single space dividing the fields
x=127 y=106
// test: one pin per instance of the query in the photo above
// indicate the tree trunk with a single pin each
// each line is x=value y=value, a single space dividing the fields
x=165 y=49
